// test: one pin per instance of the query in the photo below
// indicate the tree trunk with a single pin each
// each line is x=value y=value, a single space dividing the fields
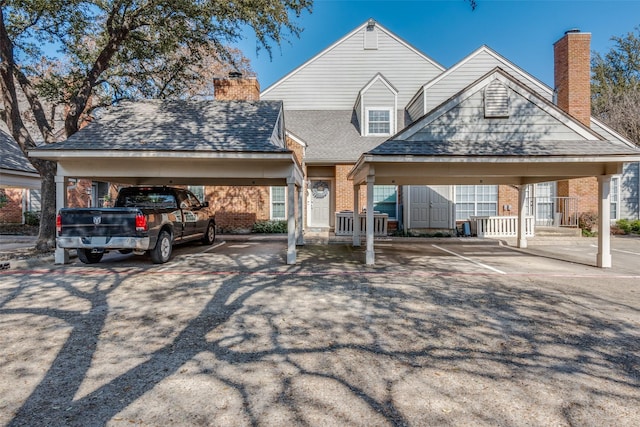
x=47 y=232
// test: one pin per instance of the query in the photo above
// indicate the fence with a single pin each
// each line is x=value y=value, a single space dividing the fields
x=344 y=223
x=500 y=226
x=554 y=211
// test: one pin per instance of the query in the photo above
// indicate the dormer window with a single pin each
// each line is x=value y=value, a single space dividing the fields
x=379 y=121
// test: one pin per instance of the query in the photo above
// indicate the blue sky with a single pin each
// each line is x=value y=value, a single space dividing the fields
x=523 y=31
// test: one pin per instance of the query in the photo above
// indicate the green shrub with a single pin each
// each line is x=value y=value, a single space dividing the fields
x=629 y=227
x=276 y=226
x=32 y=218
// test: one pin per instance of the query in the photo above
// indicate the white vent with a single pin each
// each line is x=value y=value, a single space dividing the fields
x=496 y=100
x=371 y=37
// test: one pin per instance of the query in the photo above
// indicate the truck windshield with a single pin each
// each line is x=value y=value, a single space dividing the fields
x=146 y=200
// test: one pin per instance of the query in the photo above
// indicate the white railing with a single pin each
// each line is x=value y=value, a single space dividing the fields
x=500 y=226
x=344 y=223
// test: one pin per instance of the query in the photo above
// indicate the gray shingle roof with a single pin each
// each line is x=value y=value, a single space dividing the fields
x=502 y=148
x=159 y=125
x=11 y=157
x=331 y=136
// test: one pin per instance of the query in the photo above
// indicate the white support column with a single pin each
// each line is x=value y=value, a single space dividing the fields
x=603 y=259
x=291 y=222
x=370 y=253
x=356 y=215
x=61 y=255
x=299 y=228
x=522 y=222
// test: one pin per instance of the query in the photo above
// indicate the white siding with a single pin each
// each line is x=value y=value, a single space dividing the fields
x=415 y=110
x=466 y=122
x=332 y=80
x=629 y=196
x=379 y=95
x=470 y=71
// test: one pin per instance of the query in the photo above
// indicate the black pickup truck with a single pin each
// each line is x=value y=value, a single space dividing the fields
x=142 y=219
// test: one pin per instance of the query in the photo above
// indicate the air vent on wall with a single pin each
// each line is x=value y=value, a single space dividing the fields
x=496 y=100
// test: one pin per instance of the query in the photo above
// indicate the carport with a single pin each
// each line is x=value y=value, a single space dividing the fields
x=495 y=131
x=230 y=143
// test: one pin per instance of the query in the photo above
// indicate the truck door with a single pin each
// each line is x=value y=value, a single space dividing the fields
x=194 y=219
x=201 y=215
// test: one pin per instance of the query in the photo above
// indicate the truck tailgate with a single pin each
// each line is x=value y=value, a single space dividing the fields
x=88 y=222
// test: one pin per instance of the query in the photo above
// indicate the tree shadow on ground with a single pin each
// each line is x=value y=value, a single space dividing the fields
x=325 y=342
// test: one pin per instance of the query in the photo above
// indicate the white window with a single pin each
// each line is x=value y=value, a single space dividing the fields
x=278 y=203
x=379 y=121
x=385 y=199
x=615 y=198
x=476 y=200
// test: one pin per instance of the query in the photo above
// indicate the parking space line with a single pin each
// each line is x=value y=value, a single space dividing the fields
x=619 y=250
x=469 y=259
x=217 y=245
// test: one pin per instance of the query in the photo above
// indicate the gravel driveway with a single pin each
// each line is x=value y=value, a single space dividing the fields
x=237 y=338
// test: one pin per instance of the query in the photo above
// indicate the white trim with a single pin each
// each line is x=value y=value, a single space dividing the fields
x=383 y=79
x=296 y=139
x=494 y=159
x=613 y=132
x=340 y=41
x=618 y=179
x=242 y=155
x=271 y=203
x=392 y=120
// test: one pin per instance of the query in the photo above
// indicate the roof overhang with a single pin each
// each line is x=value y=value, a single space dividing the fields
x=19 y=179
x=514 y=170
x=140 y=167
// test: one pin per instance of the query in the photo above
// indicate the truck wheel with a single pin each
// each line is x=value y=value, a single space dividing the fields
x=209 y=235
x=162 y=252
x=87 y=257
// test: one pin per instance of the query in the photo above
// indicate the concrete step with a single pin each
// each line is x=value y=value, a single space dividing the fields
x=557 y=232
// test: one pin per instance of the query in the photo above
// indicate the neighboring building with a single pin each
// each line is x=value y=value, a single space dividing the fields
x=371 y=84
x=19 y=183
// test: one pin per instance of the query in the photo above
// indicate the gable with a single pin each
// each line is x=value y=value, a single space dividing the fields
x=525 y=121
x=333 y=79
x=466 y=72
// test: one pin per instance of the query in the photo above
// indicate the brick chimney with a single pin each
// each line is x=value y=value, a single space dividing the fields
x=572 y=65
x=572 y=75
x=236 y=88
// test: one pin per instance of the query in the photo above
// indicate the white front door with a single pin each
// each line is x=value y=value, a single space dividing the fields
x=319 y=203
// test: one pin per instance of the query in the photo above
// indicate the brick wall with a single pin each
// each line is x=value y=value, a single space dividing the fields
x=79 y=195
x=507 y=195
x=298 y=150
x=236 y=88
x=344 y=189
x=11 y=212
x=238 y=208
x=586 y=189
